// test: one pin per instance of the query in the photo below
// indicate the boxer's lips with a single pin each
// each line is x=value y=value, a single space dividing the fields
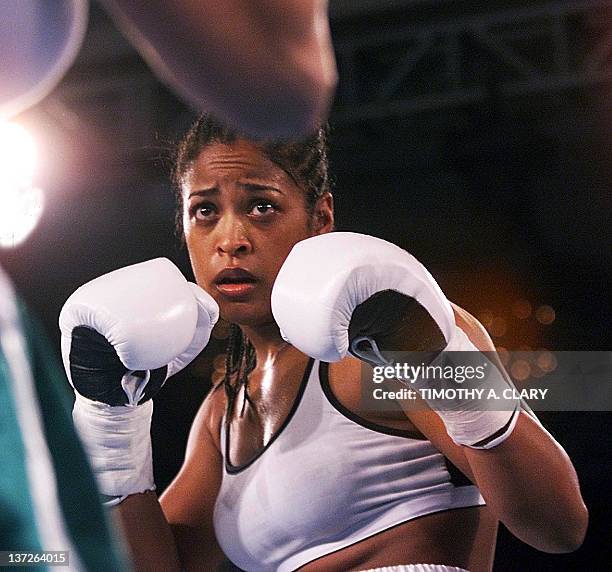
x=235 y=282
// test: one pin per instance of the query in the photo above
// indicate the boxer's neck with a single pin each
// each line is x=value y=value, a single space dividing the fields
x=266 y=340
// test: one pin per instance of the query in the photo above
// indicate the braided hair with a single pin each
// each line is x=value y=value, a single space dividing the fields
x=305 y=161
x=240 y=361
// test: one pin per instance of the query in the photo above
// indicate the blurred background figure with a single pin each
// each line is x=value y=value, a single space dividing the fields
x=266 y=67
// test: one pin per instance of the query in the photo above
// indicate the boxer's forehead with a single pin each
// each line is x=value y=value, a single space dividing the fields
x=220 y=164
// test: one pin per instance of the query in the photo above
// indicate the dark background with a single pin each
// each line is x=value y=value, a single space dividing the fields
x=475 y=135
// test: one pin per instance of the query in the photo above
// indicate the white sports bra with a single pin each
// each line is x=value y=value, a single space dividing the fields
x=327 y=479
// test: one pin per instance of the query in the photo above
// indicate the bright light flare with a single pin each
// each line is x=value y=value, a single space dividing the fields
x=18 y=156
x=21 y=204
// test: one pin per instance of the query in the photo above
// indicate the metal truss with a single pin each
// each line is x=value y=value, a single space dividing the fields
x=410 y=69
x=396 y=70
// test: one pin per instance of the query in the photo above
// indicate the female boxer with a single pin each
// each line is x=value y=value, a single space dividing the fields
x=284 y=468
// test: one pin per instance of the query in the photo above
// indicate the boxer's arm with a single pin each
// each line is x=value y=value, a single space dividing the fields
x=176 y=532
x=370 y=297
x=189 y=501
x=148 y=536
x=528 y=480
x=265 y=66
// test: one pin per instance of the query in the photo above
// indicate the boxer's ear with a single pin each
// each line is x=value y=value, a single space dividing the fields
x=323 y=214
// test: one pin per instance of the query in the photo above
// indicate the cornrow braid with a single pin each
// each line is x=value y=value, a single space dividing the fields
x=305 y=162
x=240 y=361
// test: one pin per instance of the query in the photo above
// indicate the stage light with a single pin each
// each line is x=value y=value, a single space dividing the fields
x=520 y=370
x=521 y=309
x=545 y=315
x=21 y=203
x=498 y=327
x=546 y=361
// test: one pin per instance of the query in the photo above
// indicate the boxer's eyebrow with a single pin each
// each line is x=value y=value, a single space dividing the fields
x=257 y=187
x=207 y=192
x=249 y=187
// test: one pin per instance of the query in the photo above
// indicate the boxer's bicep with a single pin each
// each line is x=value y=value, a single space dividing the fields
x=188 y=502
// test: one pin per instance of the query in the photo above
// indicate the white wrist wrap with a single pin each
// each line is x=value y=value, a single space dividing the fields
x=118 y=443
x=471 y=421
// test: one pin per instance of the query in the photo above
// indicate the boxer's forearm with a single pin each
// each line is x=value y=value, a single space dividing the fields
x=265 y=66
x=531 y=485
x=528 y=479
x=147 y=533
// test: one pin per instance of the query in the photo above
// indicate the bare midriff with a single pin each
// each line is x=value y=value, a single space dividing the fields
x=460 y=537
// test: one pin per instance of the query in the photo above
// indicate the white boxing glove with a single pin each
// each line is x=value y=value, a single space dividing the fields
x=328 y=300
x=123 y=335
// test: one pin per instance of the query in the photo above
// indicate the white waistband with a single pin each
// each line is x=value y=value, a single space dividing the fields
x=417 y=568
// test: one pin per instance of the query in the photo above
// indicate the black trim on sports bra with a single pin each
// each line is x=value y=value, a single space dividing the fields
x=457 y=478
x=333 y=400
x=233 y=469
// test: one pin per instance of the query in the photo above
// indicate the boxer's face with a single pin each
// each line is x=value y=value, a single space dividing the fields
x=242 y=214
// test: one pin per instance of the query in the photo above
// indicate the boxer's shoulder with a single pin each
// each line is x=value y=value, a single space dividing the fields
x=210 y=415
x=475 y=331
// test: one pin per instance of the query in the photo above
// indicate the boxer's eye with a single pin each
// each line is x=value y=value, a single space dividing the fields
x=262 y=208
x=203 y=211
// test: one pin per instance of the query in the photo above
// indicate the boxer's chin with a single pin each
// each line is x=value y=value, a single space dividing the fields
x=246 y=313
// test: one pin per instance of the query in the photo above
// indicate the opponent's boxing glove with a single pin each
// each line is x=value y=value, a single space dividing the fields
x=123 y=335
x=345 y=292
